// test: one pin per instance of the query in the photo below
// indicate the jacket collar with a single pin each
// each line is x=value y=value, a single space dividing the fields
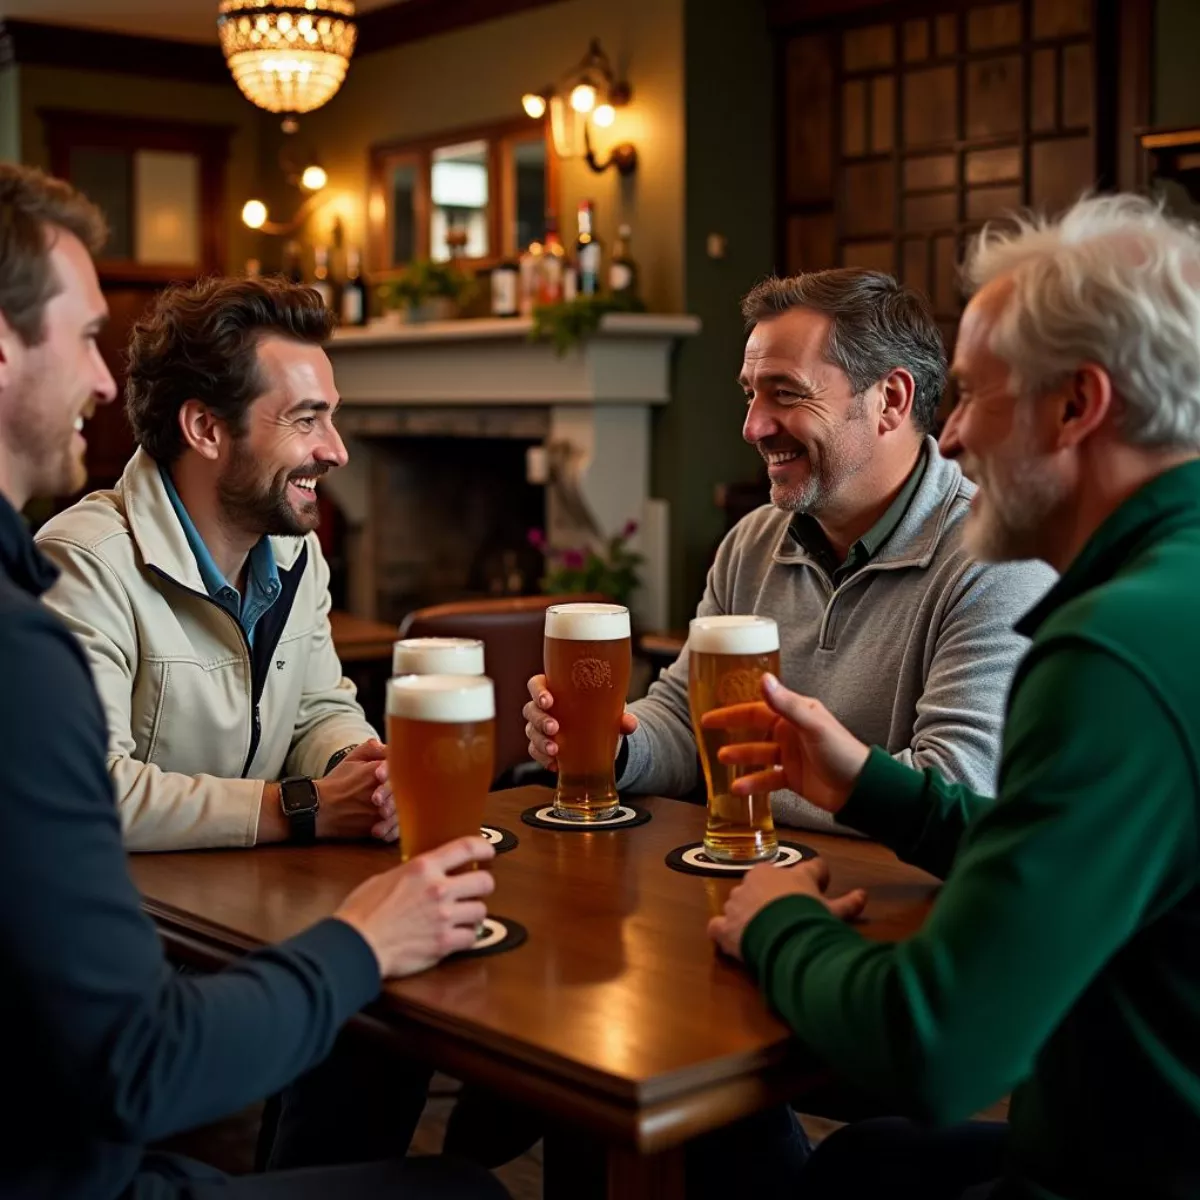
x=20 y=559
x=1155 y=509
x=914 y=541
x=158 y=534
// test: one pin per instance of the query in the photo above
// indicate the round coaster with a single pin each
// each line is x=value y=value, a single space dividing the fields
x=496 y=935
x=626 y=816
x=692 y=860
x=502 y=839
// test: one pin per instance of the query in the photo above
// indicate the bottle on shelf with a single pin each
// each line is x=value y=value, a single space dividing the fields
x=622 y=270
x=570 y=288
x=588 y=251
x=506 y=298
x=554 y=260
x=530 y=277
x=293 y=266
x=355 y=309
x=321 y=283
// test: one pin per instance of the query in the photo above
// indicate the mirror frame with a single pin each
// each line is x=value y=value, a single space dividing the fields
x=501 y=137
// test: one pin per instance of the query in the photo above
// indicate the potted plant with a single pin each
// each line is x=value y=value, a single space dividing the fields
x=428 y=291
x=611 y=568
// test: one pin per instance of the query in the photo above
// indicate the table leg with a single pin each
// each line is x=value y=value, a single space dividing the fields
x=633 y=1176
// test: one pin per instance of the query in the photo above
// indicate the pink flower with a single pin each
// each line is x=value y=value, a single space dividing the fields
x=572 y=559
x=537 y=539
x=631 y=527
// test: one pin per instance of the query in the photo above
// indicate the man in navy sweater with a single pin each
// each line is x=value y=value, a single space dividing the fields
x=109 y=1049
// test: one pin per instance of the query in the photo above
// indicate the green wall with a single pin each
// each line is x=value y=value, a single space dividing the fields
x=135 y=96
x=729 y=190
x=10 y=108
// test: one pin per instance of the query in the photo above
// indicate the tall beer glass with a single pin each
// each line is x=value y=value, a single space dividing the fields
x=726 y=659
x=441 y=756
x=437 y=656
x=588 y=660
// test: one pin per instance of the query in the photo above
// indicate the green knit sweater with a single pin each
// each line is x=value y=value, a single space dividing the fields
x=1061 y=960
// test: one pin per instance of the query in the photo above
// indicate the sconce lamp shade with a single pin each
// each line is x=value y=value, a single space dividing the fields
x=287 y=56
x=534 y=105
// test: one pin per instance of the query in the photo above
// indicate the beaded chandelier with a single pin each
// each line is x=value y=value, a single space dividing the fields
x=287 y=56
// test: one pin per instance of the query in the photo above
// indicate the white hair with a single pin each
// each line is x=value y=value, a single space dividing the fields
x=1116 y=282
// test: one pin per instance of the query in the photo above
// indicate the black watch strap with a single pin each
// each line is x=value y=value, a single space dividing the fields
x=336 y=757
x=299 y=800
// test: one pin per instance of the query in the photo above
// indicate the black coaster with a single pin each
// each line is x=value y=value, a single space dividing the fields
x=692 y=860
x=497 y=935
x=626 y=817
x=501 y=839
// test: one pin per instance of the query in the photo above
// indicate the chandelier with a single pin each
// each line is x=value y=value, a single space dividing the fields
x=287 y=56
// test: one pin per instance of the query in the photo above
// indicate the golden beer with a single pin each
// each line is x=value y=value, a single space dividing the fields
x=588 y=658
x=441 y=756
x=727 y=657
x=437 y=656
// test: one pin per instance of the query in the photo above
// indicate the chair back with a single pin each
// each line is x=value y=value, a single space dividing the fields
x=511 y=630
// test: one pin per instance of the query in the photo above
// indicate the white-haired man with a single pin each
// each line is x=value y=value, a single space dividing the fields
x=1060 y=959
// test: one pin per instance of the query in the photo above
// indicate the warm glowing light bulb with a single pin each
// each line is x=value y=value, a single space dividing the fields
x=314 y=178
x=583 y=98
x=534 y=105
x=604 y=115
x=254 y=214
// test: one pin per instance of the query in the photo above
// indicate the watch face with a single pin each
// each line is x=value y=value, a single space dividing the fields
x=297 y=797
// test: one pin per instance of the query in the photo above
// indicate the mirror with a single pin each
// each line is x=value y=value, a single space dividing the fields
x=479 y=195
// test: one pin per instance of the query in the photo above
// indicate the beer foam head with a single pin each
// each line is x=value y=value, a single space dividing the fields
x=733 y=635
x=437 y=656
x=442 y=698
x=587 y=622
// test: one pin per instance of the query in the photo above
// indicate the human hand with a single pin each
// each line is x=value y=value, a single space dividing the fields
x=414 y=915
x=540 y=726
x=803 y=747
x=766 y=884
x=356 y=796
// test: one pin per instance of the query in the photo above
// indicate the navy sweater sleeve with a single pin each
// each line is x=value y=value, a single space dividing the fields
x=134 y=1050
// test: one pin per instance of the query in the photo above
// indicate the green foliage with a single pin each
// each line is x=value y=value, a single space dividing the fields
x=422 y=280
x=611 y=570
x=568 y=323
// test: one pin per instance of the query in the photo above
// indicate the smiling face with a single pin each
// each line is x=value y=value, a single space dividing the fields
x=51 y=388
x=803 y=417
x=267 y=483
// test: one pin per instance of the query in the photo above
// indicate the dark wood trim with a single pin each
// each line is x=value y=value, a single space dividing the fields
x=1135 y=65
x=35 y=43
x=413 y=20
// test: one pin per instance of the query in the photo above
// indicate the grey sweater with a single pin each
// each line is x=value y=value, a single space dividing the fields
x=914 y=652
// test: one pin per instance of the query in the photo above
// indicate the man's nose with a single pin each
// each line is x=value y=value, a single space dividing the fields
x=333 y=450
x=950 y=444
x=760 y=423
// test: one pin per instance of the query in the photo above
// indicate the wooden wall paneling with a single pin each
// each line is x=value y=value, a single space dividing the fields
x=930 y=106
x=854 y=118
x=984 y=203
x=1060 y=169
x=993 y=96
x=916 y=40
x=869 y=48
x=933 y=210
x=811 y=245
x=809 y=119
x=883 y=113
x=873 y=256
x=945 y=295
x=993 y=26
x=1131 y=60
x=927 y=171
x=1059 y=18
x=914 y=264
x=1078 y=102
x=1043 y=115
x=868 y=197
x=999 y=165
x=946 y=34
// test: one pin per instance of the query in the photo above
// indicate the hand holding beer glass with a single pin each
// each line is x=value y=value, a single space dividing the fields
x=441 y=756
x=727 y=657
x=588 y=658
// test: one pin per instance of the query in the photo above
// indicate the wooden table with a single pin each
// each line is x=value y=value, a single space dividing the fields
x=357 y=639
x=617 y=1015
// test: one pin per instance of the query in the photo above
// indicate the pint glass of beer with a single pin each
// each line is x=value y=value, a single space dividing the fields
x=726 y=659
x=437 y=656
x=588 y=660
x=441 y=754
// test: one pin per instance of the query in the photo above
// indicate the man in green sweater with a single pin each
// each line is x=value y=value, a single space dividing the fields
x=1060 y=961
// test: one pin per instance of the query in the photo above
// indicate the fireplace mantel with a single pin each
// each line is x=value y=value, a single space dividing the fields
x=486 y=377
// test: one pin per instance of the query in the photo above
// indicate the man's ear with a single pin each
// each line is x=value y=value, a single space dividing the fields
x=203 y=432
x=1084 y=403
x=897 y=390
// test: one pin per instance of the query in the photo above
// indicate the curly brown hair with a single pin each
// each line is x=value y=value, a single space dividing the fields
x=31 y=204
x=200 y=342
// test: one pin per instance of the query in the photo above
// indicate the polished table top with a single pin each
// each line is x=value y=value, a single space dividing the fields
x=617 y=1013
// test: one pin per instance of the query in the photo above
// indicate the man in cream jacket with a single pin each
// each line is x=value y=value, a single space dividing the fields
x=198 y=588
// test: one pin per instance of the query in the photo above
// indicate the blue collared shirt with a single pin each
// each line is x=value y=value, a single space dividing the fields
x=262 y=575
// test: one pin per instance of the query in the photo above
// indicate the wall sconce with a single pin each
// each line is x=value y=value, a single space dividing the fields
x=587 y=95
x=304 y=173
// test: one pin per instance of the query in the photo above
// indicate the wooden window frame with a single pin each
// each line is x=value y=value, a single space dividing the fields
x=500 y=137
x=68 y=129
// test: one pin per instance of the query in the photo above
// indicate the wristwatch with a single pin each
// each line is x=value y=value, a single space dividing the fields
x=336 y=757
x=299 y=800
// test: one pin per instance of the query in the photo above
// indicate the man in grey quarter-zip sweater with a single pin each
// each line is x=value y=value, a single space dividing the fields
x=882 y=613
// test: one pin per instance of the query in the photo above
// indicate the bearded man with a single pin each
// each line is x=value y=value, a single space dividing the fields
x=198 y=588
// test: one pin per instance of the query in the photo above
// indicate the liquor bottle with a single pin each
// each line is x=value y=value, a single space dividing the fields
x=622 y=270
x=293 y=268
x=553 y=261
x=531 y=277
x=355 y=309
x=321 y=283
x=506 y=289
x=587 y=252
